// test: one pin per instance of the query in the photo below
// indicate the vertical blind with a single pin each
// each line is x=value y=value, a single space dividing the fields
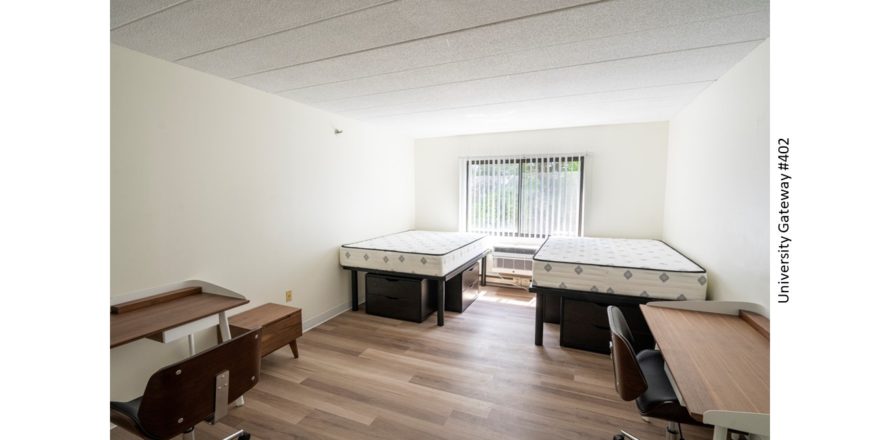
x=525 y=196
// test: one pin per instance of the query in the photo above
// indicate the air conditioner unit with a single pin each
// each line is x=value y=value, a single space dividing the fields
x=513 y=260
x=512 y=266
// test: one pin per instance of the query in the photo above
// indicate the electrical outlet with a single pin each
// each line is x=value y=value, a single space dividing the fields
x=288 y=296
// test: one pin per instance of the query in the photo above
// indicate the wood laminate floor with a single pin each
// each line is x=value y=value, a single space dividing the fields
x=478 y=377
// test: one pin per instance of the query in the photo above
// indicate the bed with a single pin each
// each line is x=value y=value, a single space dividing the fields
x=428 y=255
x=612 y=271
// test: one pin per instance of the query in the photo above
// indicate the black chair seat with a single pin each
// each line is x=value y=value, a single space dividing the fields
x=130 y=408
x=125 y=414
x=129 y=412
x=659 y=400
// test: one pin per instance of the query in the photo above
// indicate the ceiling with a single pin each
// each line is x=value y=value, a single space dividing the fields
x=447 y=67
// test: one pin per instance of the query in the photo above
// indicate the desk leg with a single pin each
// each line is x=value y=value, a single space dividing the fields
x=354 y=290
x=226 y=335
x=192 y=344
x=441 y=300
x=539 y=318
x=719 y=433
x=483 y=271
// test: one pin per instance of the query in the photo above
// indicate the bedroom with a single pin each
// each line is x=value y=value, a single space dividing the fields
x=641 y=84
x=437 y=219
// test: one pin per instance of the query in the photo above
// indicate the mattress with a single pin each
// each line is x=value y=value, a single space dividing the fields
x=634 y=267
x=415 y=252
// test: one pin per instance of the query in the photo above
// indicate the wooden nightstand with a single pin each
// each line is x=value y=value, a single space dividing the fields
x=281 y=326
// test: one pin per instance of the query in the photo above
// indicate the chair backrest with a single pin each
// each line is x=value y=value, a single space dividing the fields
x=181 y=395
x=629 y=381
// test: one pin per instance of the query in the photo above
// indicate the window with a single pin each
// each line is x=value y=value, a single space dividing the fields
x=524 y=196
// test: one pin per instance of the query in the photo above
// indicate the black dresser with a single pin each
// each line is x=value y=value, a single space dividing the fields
x=414 y=299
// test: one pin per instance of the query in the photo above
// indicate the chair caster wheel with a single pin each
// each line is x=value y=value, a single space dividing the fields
x=618 y=437
x=244 y=436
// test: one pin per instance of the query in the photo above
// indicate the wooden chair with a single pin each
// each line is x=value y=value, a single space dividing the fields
x=642 y=377
x=199 y=388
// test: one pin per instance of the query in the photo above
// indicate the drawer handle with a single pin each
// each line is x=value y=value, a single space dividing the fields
x=392 y=280
x=392 y=297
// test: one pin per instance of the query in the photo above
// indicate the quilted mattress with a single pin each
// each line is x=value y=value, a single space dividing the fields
x=634 y=267
x=427 y=253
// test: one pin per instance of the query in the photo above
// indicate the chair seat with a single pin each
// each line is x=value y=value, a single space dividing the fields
x=659 y=400
x=125 y=415
x=130 y=408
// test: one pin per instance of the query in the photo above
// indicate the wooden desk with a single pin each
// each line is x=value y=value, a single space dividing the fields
x=166 y=313
x=148 y=316
x=718 y=361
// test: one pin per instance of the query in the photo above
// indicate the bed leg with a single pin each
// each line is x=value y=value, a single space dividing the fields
x=539 y=318
x=483 y=271
x=354 y=290
x=441 y=300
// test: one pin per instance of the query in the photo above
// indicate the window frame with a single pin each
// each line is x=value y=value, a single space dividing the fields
x=520 y=160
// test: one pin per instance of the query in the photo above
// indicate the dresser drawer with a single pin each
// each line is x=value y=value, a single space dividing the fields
x=463 y=289
x=584 y=324
x=279 y=333
x=471 y=277
x=398 y=297
x=281 y=326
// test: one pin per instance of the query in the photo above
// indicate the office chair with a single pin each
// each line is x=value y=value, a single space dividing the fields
x=196 y=389
x=641 y=377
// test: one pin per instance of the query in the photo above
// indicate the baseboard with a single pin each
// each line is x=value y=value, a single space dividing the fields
x=326 y=316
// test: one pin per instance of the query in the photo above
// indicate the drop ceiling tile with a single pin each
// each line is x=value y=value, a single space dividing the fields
x=445 y=67
x=673 y=68
x=749 y=27
x=594 y=21
x=197 y=26
x=390 y=23
x=126 y=11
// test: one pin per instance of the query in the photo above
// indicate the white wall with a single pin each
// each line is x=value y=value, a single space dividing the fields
x=717 y=183
x=623 y=186
x=216 y=181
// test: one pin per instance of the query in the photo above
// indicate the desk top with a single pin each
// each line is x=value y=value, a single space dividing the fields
x=718 y=361
x=172 y=311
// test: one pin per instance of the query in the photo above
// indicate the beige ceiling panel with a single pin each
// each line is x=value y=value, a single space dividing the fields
x=595 y=21
x=391 y=23
x=443 y=67
x=123 y=12
x=674 y=68
x=751 y=27
x=198 y=26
